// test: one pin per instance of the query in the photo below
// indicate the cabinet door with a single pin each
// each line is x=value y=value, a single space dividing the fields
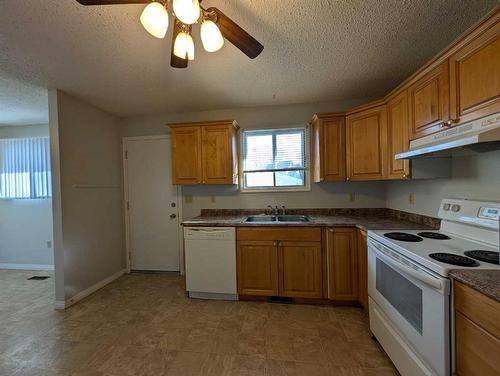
x=342 y=264
x=329 y=149
x=398 y=135
x=300 y=273
x=186 y=155
x=367 y=144
x=217 y=150
x=429 y=102
x=475 y=77
x=257 y=268
x=477 y=351
x=363 y=269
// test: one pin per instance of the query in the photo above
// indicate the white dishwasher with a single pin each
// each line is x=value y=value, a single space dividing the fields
x=210 y=259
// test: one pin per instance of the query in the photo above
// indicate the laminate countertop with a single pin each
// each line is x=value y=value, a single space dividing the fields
x=486 y=282
x=361 y=222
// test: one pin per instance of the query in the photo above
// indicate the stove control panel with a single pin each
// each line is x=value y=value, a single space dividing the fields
x=471 y=212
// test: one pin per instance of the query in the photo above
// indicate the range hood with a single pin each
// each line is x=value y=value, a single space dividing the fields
x=485 y=131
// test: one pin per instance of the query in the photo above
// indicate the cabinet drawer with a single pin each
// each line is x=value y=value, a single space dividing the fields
x=479 y=308
x=279 y=233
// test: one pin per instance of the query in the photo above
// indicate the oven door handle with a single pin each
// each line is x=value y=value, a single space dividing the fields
x=425 y=278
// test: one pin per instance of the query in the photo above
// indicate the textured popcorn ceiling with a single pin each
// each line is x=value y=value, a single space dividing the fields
x=315 y=51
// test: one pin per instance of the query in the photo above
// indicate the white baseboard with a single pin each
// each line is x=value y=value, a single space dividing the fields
x=27 y=267
x=59 y=304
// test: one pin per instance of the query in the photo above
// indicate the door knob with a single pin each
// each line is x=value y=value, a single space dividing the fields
x=172 y=216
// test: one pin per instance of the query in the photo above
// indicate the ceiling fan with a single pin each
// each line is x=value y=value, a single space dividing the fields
x=215 y=26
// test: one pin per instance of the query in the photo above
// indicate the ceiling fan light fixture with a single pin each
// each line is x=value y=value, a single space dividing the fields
x=184 y=46
x=211 y=36
x=154 y=18
x=187 y=11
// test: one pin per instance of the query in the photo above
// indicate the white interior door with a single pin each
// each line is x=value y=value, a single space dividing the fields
x=153 y=207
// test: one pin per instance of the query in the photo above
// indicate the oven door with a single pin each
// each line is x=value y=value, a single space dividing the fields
x=412 y=306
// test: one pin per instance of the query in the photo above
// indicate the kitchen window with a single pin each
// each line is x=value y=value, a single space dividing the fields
x=25 y=168
x=275 y=160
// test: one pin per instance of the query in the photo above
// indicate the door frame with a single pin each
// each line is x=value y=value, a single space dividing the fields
x=126 y=197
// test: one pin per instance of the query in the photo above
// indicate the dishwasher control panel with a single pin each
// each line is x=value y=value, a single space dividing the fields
x=218 y=233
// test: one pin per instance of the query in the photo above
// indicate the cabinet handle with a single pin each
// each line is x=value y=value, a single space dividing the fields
x=275 y=244
x=330 y=229
x=405 y=176
x=348 y=179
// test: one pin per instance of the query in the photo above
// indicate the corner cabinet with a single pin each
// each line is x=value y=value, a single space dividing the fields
x=398 y=135
x=328 y=147
x=366 y=143
x=204 y=153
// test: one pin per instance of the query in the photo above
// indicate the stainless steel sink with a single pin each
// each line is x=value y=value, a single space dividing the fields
x=293 y=218
x=261 y=218
x=277 y=218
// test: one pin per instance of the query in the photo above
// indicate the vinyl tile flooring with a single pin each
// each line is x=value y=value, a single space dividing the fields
x=143 y=324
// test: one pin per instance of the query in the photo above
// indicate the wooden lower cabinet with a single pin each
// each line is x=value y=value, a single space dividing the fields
x=300 y=269
x=342 y=259
x=268 y=265
x=477 y=330
x=257 y=268
x=363 y=269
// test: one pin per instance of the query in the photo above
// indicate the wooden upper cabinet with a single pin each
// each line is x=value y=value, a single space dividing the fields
x=398 y=123
x=186 y=155
x=257 y=266
x=475 y=77
x=342 y=263
x=218 y=146
x=328 y=147
x=300 y=273
x=429 y=102
x=205 y=153
x=366 y=143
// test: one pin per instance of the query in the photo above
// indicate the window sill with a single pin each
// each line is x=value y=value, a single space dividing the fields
x=275 y=190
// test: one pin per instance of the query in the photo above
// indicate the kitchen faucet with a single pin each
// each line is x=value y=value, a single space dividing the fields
x=276 y=211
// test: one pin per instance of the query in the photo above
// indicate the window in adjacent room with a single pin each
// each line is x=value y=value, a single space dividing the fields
x=25 y=168
x=275 y=160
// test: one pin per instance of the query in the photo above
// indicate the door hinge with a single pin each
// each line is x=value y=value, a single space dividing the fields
x=126 y=154
x=128 y=205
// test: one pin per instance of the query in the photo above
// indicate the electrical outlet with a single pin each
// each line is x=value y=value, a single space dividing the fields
x=188 y=199
x=352 y=197
x=212 y=199
x=49 y=243
x=411 y=198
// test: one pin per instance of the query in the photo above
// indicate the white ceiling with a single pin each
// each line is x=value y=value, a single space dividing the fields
x=315 y=51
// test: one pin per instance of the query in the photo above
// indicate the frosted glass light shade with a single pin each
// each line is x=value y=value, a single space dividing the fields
x=211 y=36
x=183 y=46
x=187 y=11
x=154 y=18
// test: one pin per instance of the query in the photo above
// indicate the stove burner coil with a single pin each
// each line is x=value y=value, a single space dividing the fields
x=485 y=256
x=450 y=258
x=434 y=235
x=403 y=236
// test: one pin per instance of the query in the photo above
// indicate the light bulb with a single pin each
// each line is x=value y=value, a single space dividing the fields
x=154 y=18
x=183 y=46
x=187 y=11
x=211 y=36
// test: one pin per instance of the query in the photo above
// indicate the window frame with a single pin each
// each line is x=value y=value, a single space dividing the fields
x=307 y=177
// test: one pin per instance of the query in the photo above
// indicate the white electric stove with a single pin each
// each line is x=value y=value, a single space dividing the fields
x=408 y=285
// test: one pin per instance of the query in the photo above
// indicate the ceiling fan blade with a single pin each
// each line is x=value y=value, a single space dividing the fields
x=175 y=61
x=236 y=35
x=112 y=2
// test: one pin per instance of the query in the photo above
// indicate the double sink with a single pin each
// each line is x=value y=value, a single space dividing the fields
x=277 y=218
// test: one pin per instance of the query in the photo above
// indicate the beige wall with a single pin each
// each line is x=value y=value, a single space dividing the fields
x=321 y=195
x=88 y=222
x=25 y=225
x=474 y=176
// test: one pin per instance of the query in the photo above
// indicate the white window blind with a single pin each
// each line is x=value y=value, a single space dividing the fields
x=274 y=159
x=25 y=168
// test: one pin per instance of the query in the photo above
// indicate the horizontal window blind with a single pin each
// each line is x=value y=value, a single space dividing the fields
x=25 y=168
x=274 y=158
